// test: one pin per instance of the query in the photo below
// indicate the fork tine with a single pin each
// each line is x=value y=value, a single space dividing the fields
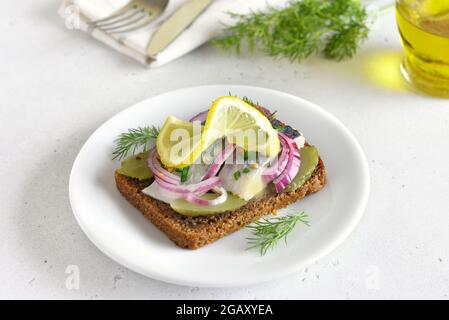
x=143 y=23
x=124 y=16
x=130 y=6
x=125 y=23
x=122 y=22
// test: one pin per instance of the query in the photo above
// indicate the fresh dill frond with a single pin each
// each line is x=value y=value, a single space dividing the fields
x=267 y=232
x=250 y=102
x=134 y=140
x=245 y=99
x=334 y=27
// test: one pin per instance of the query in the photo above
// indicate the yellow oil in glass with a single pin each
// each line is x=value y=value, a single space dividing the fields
x=424 y=29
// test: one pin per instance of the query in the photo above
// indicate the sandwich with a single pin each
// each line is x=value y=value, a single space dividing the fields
x=225 y=168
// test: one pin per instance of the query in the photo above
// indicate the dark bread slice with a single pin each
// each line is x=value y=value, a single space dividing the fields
x=195 y=232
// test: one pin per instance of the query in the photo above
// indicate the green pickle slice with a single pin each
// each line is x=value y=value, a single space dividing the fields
x=136 y=167
x=309 y=161
x=189 y=209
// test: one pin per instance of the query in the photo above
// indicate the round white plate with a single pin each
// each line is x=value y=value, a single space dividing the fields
x=123 y=234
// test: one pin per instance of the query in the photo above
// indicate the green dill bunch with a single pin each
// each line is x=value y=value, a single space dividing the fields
x=334 y=27
x=133 y=141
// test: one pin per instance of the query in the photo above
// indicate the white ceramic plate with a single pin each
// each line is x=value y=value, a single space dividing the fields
x=123 y=234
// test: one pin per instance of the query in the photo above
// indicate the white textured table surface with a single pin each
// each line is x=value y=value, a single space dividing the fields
x=57 y=86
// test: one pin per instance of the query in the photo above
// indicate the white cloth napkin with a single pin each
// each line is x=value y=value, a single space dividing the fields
x=207 y=26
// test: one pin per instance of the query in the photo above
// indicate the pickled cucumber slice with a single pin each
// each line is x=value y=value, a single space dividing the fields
x=189 y=209
x=309 y=161
x=136 y=167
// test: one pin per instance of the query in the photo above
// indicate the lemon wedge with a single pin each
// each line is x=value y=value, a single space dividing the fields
x=180 y=143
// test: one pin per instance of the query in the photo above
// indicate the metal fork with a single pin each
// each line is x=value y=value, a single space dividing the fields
x=135 y=15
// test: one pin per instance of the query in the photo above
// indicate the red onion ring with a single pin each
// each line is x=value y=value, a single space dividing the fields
x=292 y=167
x=218 y=161
x=201 y=117
x=274 y=171
x=191 y=197
x=196 y=188
x=159 y=172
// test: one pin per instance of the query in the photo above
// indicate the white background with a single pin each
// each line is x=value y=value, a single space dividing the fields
x=57 y=86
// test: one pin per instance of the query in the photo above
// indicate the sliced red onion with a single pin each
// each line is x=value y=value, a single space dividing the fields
x=159 y=172
x=201 y=117
x=218 y=161
x=191 y=197
x=276 y=169
x=170 y=182
x=292 y=167
x=197 y=188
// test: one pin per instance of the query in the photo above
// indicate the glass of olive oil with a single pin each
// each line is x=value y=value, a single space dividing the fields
x=424 y=29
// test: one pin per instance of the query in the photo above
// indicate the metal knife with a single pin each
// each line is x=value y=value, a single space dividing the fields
x=175 y=24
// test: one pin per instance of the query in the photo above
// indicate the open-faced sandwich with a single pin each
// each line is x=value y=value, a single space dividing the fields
x=224 y=169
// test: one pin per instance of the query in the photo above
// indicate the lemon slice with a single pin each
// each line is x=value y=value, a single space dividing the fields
x=179 y=142
x=242 y=125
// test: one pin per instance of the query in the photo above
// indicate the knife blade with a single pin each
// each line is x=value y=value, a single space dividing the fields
x=175 y=24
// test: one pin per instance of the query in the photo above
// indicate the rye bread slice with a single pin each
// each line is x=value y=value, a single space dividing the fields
x=195 y=232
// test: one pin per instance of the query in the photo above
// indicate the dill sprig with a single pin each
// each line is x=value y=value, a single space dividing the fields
x=245 y=99
x=334 y=27
x=267 y=232
x=250 y=102
x=134 y=140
